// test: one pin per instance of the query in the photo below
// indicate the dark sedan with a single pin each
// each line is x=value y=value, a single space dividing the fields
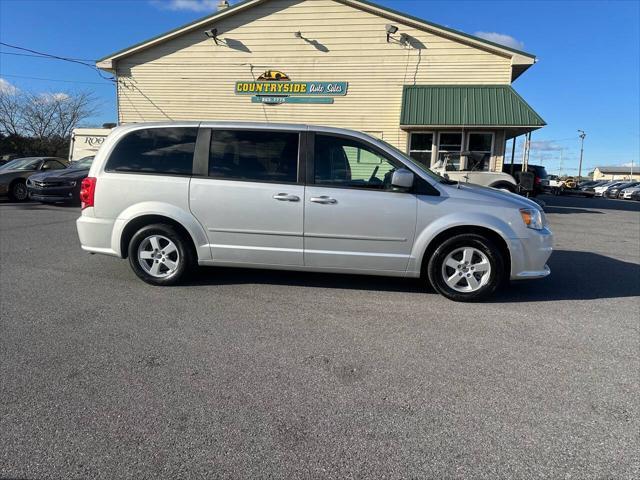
x=614 y=191
x=14 y=174
x=61 y=185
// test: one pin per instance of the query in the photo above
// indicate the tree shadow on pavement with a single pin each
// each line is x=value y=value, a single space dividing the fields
x=564 y=204
x=554 y=209
x=577 y=276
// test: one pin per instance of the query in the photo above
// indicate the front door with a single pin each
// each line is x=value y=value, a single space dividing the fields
x=353 y=219
x=251 y=203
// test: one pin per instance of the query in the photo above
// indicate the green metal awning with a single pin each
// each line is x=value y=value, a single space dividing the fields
x=466 y=106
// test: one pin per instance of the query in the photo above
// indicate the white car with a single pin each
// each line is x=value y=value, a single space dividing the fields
x=499 y=180
x=628 y=193
x=599 y=191
x=294 y=197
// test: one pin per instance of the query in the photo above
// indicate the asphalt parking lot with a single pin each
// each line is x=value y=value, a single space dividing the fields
x=256 y=374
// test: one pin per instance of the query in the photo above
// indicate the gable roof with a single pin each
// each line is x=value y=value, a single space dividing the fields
x=519 y=58
x=616 y=169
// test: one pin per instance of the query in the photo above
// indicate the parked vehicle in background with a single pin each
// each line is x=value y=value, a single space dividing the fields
x=587 y=189
x=591 y=183
x=14 y=174
x=614 y=192
x=299 y=197
x=554 y=183
x=59 y=185
x=485 y=178
x=540 y=179
x=635 y=194
x=599 y=190
x=628 y=193
x=86 y=142
x=7 y=157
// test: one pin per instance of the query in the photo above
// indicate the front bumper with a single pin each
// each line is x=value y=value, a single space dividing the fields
x=54 y=194
x=529 y=255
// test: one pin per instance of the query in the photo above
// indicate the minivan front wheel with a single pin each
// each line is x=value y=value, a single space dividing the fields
x=159 y=255
x=466 y=268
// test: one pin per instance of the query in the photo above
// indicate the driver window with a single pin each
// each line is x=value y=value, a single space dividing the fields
x=344 y=162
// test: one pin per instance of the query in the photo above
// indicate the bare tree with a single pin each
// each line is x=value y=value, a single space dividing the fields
x=11 y=112
x=44 y=115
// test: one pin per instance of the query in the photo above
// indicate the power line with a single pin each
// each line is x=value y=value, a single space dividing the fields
x=42 y=56
x=57 y=57
x=51 y=79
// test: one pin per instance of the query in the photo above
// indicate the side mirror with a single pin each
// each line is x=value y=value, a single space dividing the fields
x=402 y=178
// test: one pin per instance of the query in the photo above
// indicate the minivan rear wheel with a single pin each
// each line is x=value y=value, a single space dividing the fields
x=466 y=268
x=160 y=255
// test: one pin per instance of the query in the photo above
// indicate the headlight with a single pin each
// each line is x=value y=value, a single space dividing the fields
x=532 y=218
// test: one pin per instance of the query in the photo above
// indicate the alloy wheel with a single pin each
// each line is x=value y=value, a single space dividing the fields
x=158 y=256
x=466 y=269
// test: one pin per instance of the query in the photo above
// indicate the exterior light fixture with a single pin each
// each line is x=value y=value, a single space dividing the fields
x=391 y=29
x=212 y=33
x=298 y=34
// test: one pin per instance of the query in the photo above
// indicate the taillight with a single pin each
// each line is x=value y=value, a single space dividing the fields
x=538 y=180
x=87 y=191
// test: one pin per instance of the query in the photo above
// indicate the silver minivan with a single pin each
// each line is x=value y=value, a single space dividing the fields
x=170 y=196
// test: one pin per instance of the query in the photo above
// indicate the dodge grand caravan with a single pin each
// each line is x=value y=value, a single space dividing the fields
x=169 y=196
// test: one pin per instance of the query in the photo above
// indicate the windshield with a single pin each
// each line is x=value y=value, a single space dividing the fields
x=412 y=162
x=83 y=163
x=21 y=164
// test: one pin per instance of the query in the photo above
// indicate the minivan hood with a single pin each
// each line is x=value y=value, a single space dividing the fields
x=478 y=193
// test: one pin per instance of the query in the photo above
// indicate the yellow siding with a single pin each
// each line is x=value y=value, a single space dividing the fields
x=190 y=77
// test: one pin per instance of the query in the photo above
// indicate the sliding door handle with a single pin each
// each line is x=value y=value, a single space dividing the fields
x=285 y=197
x=323 y=199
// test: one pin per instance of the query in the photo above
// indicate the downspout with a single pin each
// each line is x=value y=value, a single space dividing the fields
x=117 y=97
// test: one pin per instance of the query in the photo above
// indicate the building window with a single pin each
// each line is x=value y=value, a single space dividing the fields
x=421 y=147
x=261 y=156
x=449 y=148
x=480 y=150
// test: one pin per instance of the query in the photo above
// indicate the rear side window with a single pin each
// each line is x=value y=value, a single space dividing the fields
x=155 y=150
x=261 y=156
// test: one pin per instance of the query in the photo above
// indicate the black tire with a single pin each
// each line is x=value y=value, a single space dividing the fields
x=185 y=257
x=495 y=277
x=18 y=191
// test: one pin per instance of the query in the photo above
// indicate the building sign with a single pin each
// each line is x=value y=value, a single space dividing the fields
x=273 y=87
x=94 y=141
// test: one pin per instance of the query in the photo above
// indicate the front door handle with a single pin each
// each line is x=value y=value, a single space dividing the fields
x=323 y=199
x=285 y=197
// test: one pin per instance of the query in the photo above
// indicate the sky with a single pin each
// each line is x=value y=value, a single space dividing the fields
x=587 y=75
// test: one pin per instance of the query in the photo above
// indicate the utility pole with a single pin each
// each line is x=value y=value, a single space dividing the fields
x=582 y=135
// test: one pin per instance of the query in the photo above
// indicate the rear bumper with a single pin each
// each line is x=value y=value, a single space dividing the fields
x=95 y=235
x=529 y=255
